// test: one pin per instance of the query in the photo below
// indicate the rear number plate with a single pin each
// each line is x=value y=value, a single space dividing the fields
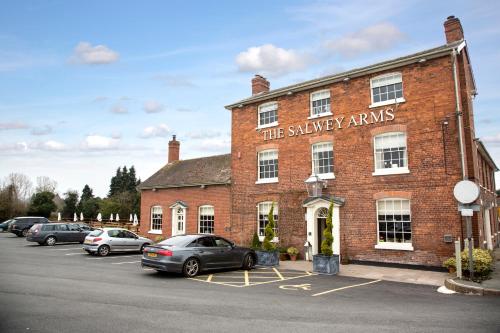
x=153 y=255
x=88 y=241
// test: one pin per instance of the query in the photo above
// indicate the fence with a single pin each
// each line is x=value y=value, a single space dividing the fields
x=107 y=224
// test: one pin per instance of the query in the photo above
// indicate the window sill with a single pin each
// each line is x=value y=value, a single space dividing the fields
x=325 y=176
x=267 y=125
x=155 y=232
x=394 y=246
x=326 y=114
x=389 y=102
x=275 y=239
x=267 y=181
x=390 y=171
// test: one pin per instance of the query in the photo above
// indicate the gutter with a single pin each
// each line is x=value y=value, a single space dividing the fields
x=458 y=112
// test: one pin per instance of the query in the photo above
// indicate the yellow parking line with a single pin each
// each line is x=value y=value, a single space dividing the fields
x=247 y=282
x=278 y=273
x=347 y=287
x=209 y=278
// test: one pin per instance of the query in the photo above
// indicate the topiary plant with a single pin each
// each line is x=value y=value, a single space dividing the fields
x=326 y=244
x=255 y=242
x=268 y=245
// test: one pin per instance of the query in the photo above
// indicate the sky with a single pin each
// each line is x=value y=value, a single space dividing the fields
x=88 y=86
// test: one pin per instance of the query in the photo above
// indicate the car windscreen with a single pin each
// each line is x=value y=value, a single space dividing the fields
x=96 y=233
x=178 y=241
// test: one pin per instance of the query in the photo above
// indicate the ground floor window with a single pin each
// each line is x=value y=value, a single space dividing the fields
x=263 y=212
x=394 y=221
x=156 y=218
x=206 y=220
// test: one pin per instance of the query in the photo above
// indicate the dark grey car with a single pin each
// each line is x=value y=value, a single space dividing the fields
x=52 y=233
x=191 y=254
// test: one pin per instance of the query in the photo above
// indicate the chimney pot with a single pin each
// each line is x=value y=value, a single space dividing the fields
x=259 y=84
x=173 y=150
x=453 y=29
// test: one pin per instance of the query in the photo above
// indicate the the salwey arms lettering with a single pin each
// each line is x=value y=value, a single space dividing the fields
x=326 y=125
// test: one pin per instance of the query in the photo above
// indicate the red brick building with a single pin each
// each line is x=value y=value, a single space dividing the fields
x=389 y=142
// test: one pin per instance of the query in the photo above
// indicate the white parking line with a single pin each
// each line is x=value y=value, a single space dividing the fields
x=346 y=287
x=114 y=257
x=68 y=249
x=125 y=262
x=75 y=254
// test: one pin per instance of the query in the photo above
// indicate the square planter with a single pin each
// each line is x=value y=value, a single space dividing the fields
x=328 y=265
x=265 y=258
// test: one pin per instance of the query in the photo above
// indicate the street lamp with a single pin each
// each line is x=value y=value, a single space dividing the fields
x=315 y=186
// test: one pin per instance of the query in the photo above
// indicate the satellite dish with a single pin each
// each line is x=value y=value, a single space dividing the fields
x=466 y=192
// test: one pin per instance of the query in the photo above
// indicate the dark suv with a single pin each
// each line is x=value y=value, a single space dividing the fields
x=52 y=233
x=21 y=225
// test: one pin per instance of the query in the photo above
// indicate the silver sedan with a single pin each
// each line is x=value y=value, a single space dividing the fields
x=106 y=240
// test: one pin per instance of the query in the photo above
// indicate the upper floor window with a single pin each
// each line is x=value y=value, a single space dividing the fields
x=268 y=114
x=320 y=103
x=322 y=159
x=263 y=210
x=387 y=89
x=390 y=153
x=394 y=224
x=156 y=218
x=268 y=166
x=206 y=220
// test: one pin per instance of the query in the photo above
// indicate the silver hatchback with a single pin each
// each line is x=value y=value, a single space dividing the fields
x=106 y=240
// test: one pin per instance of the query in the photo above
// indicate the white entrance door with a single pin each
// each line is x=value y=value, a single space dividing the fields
x=178 y=221
x=487 y=229
x=316 y=223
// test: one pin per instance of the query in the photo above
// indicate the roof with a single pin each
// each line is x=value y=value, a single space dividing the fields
x=484 y=152
x=389 y=64
x=329 y=198
x=212 y=170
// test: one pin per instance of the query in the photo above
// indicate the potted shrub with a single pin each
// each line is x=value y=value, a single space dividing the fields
x=292 y=252
x=451 y=265
x=283 y=253
x=327 y=262
x=255 y=245
x=482 y=261
x=268 y=255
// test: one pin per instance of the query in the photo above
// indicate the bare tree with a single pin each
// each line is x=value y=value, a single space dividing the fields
x=15 y=193
x=45 y=184
x=22 y=185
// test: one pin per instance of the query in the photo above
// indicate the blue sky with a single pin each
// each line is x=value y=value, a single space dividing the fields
x=87 y=86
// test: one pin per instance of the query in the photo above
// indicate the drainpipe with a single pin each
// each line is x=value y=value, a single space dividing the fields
x=458 y=113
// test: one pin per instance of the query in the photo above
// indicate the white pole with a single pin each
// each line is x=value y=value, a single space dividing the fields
x=458 y=259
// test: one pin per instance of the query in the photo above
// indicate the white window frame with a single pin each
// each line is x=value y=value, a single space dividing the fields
x=394 y=245
x=391 y=101
x=312 y=99
x=266 y=180
x=274 y=123
x=394 y=170
x=200 y=209
x=151 y=230
x=328 y=175
x=276 y=220
x=175 y=230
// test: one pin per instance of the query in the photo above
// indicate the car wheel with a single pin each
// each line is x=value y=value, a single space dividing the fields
x=24 y=233
x=191 y=267
x=103 y=250
x=50 y=241
x=143 y=246
x=248 y=262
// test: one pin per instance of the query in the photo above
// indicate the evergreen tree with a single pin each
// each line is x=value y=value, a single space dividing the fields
x=87 y=193
x=268 y=244
x=115 y=186
x=42 y=204
x=326 y=245
x=70 y=204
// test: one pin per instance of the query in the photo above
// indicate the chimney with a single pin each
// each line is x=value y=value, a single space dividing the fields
x=259 y=85
x=453 y=29
x=173 y=150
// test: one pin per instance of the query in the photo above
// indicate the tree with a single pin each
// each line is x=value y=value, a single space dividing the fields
x=70 y=203
x=326 y=244
x=42 y=204
x=45 y=184
x=90 y=207
x=268 y=244
x=116 y=183
x=87 y=193
x=15 y=192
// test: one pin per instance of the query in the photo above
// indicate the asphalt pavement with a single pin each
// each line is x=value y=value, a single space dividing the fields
x=63 y=289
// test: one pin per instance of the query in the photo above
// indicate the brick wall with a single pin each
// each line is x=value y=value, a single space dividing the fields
x=214 y=195
x=433 y=154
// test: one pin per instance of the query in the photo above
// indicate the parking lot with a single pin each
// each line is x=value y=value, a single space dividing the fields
x=62 y=288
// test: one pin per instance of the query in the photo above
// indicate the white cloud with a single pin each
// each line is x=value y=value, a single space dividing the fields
x=100 y=142
x=43 y=130
x=222 y=144
x=492 y=139
x=49 y=145
x=160 y=130
x=85 y=53
x=270 y=60
x=153 y=107
x=204 y=134
x=18 y=146
x=118 y=109
x=374 y=38
x=13 y=125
